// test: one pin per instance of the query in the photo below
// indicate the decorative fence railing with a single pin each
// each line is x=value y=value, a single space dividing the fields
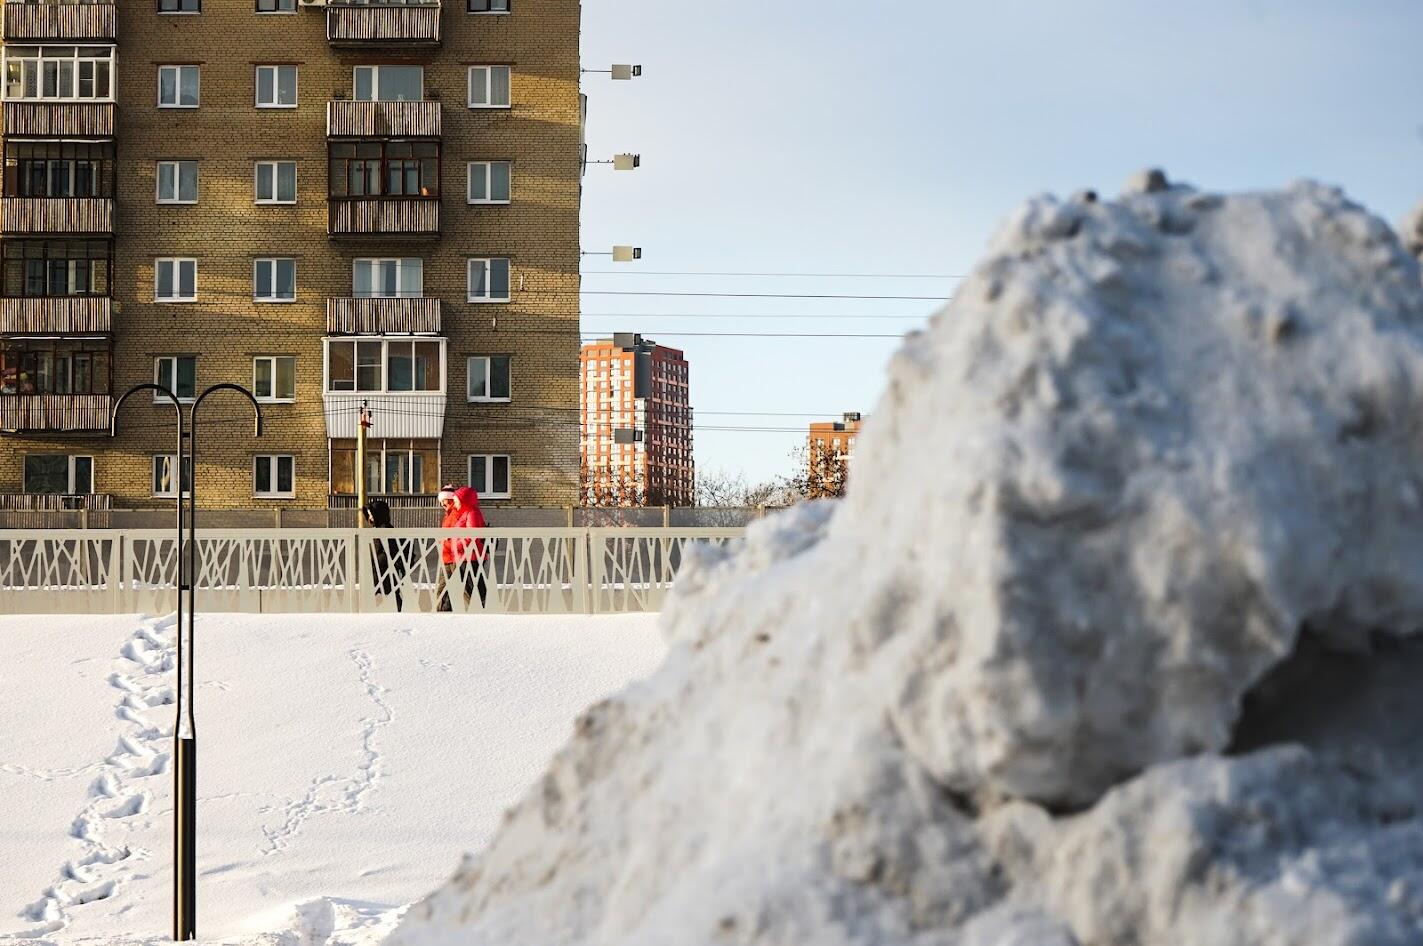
x=499 y=571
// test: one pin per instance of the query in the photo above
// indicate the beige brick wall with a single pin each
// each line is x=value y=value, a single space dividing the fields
x=226 y=231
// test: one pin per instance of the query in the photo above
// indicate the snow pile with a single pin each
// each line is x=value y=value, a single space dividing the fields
x=1412 y=230
x=1108 y=644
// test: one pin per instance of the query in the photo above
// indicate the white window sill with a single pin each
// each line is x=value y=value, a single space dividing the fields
x=276 y=400
x=476 y=106
x=484 y=299
x=176 y=203
x=192 y=108
x=488 y=203
x=266 y=107
x=274 y=203
x=160 y=399
x=182 y=299
x=489 y=400
x=272 y=301
x=483 y=495
x=274 y=495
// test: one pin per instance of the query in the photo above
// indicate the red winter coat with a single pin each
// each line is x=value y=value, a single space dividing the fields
x=464 y=514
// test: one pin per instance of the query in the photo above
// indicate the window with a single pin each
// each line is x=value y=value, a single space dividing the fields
x=488 y=6
x=274 y=476
x=388 y=278
x=177 y=373
x=274 y=280
x=59 y=73
x=274 y=378
x=58 y=474
x=389 y=83
x=175 y=280
x=276 y=182
x=489 y=182
x=53 y=366
x=164 y=481
x=489 y=378
x=412 y=366
x=489 y=280
x=58 y=169
x=392 y=466
x=377 y=366
x=489 y=86
x=276 y=86
x=276 y=6
x=178 y=86
x=177 y=182
x=56 y=267
x=180 y=6
x=384 y=168
x=489 y=475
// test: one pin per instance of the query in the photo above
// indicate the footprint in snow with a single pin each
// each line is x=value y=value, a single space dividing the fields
x=133 y=805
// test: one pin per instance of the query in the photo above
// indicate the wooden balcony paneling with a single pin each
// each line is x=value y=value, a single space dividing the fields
x=385 y=216
x=346 y=119
x=57 y=315
x=53 y=502
x=383 y=316
x=374 y=25
x=77 y=22
x=40 y=215
x=54 y=412
x=59 y=119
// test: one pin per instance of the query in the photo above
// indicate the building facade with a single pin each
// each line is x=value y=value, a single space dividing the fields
x=330 y=203
x=637 y=424
x=830 y=446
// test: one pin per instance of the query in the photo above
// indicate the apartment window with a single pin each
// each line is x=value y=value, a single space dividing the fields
x=378 y=366
x=489 y=475
x=488 y=378
x=175 y=280
x=389 y=83
x=177 y=373
x=274 y=378
x=165 y=482
x=276 y=6
x=489 y=182
x=392 y=467
x=488 y=6
x=58 y=169
x=388 y=278
x=177 y=182
x=58 y=474
x=59 y=73
x=489 y=280
x=274 y=280
x=178 y=86
x=180 y=6
x=384 y=168
x=276 y=86
x=276 y=182
x=274 y=476
x=56 y=267
x=53 y=366
x=489 y=86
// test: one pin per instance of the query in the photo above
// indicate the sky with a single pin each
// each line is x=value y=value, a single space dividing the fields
x=859 y=139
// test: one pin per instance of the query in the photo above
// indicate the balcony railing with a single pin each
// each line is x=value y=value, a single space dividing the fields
x=383 y=316
x=76 y=22
x=59 y=119
x=346 y=119
x=53 y=502
x=390 y=217
x=57 y=215
x=376 y=24
x=56 y=315
x=55 y=413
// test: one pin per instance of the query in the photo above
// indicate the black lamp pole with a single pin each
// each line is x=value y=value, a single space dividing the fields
x=185 y=742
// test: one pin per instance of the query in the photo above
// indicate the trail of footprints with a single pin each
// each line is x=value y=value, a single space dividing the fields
x=118 y=795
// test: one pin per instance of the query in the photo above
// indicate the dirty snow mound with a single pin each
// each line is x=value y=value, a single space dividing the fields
x=1156 y=453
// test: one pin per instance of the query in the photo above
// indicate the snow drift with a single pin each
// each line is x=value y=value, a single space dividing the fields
x=1109 y=644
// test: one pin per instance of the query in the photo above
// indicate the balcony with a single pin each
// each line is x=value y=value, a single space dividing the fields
x=387 y=217
x=54 y=502
x=56 y=315
x=72 y=21
x=346 y=119
x=54 y=413
x=86 y=216
x=59 y=119
x=376 y=24
x=383 y=316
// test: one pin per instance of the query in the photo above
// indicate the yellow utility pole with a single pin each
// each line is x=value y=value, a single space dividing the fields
x=361 y=427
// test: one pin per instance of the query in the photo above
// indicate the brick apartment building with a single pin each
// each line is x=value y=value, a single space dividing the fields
x=830 y=447
x=329 y=203
x=637 y=424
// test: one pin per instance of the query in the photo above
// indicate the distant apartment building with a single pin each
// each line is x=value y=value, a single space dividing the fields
x=829 y=448
x=637 y=424
x=328 y=202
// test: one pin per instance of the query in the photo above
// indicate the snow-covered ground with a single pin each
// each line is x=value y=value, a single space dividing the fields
x=345 y=763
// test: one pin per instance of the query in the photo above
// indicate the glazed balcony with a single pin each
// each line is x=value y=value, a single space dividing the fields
x=56 y=315
x=381 y=24
x=58 y=216
x=390 y=218
x=416 y=316
x=54 y=413
x=348 y=119
x=75 y=22
x=59 y=119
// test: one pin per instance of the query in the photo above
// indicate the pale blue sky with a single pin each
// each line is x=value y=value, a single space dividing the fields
x=866 y=137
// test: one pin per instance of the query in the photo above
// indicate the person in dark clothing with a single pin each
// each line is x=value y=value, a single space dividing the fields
x=388 y=558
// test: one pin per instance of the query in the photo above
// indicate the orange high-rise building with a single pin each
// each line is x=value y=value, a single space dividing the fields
x=830 y=447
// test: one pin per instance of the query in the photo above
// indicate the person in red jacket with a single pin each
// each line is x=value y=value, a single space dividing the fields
x=462 y=558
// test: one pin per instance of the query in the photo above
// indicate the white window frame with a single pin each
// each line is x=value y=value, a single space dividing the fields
x=69 y=486
x=489 y=85
x=177 y=262
x=488 y=261
x=385 y=344
x=6 y=57
x=258 y=290
x=275 y=165
x=276 y=85
x=178 y=85
x=177 y=180
x=273 y=477
x=508 y=8
x=486 y=170
x=273 y=398
x=171 y=381
x=260 y=12
x=163 y=12
x=375 y=80
x=489 y=459
x=488 y=373
x=153 y=475
x=400 y=290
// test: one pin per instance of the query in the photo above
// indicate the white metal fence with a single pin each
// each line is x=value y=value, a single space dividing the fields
x=510 y=571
